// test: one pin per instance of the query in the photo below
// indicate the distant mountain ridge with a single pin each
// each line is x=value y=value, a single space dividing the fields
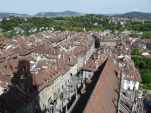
x=56 y=14
x=43 y=14
x=5 y=14
x=136 y=14
x=73 y=13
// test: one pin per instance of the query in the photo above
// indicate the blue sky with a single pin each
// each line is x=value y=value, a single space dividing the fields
x=86 y=6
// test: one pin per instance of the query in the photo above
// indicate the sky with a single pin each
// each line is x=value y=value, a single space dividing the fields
x=85 y=6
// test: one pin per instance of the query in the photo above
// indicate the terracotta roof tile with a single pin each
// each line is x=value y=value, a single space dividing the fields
x=104 y=96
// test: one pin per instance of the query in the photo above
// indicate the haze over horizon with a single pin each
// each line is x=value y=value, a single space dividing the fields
x=84 y=6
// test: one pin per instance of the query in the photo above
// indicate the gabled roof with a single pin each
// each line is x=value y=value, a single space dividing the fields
x=104 y=97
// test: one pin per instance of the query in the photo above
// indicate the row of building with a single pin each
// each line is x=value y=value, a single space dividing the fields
x=68 y=72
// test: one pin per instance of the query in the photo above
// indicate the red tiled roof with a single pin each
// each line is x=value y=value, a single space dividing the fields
x=104 y=97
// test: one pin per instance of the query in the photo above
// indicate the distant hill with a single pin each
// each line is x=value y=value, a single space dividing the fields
x=57 y=14
x=136 y=14
x=42 y=14
x=2 y=14
x=72 y=13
